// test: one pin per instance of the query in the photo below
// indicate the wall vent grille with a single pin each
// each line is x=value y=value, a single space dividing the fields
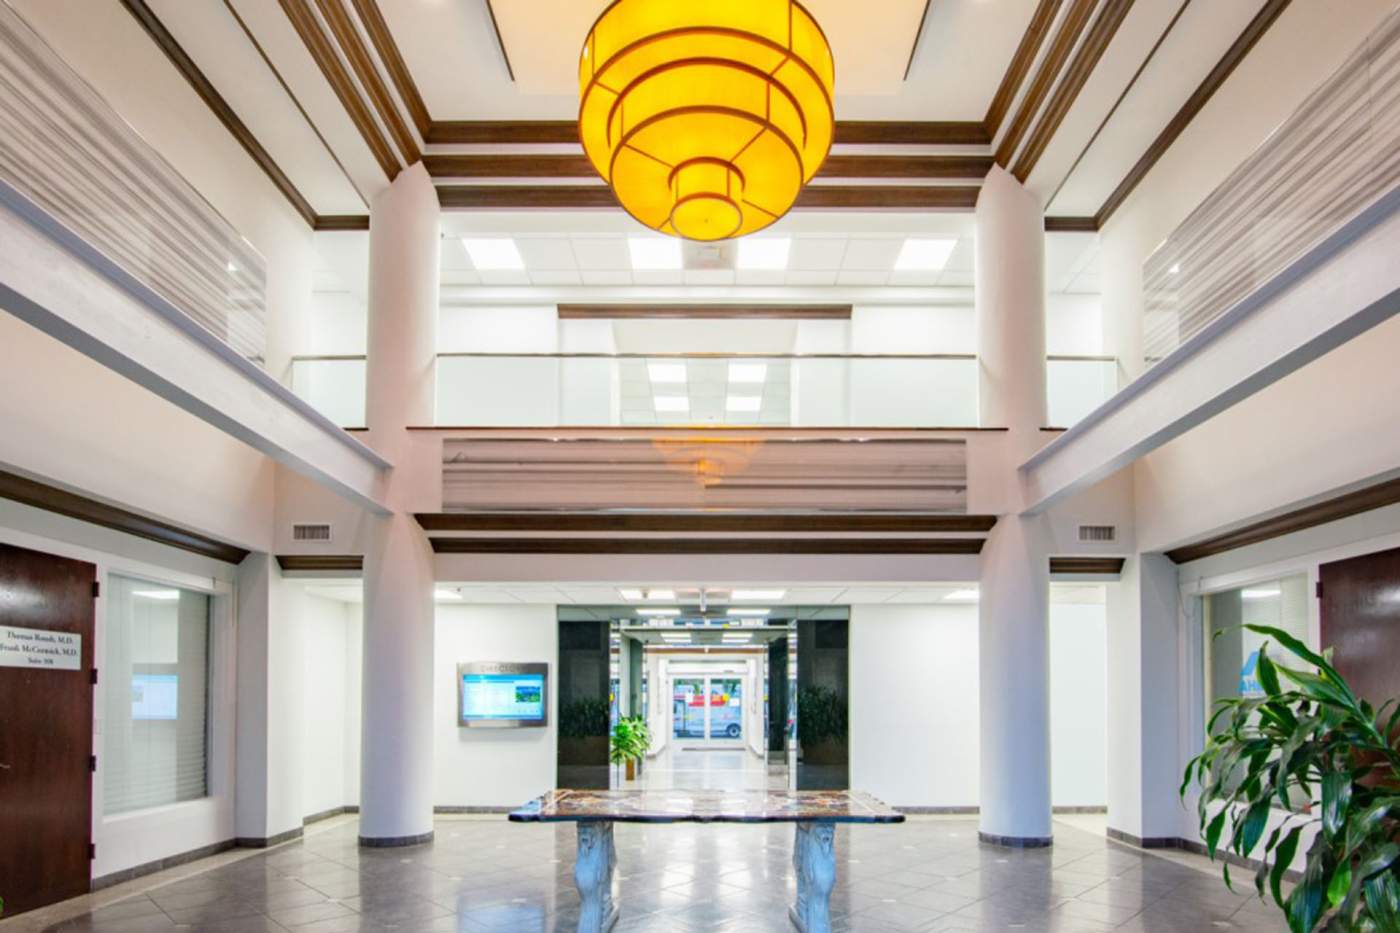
x=311 y=531
x=1098 y=533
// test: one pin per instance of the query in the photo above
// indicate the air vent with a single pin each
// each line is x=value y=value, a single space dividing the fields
x=307 y=531
x=1098 y=533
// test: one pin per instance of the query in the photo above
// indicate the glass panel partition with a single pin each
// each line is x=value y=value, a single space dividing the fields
x=1076 y=385
x=604 y=390
x=333 y=385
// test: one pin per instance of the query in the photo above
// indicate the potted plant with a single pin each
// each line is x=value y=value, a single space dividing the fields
x=630 y=741
x=822 y=725
x=1308 y=738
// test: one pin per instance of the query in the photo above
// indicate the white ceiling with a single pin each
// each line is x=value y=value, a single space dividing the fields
x=592 y=594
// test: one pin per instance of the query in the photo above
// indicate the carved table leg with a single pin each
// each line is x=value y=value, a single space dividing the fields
x=593 y=873
x=814 y=859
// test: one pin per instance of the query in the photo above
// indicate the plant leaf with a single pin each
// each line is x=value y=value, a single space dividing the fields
x=1283 y=858
x=1378 y=861
x=1383 y=901
x=1367 y=822
x=1253 y=825
x=1340 y=884
x=1213 y=830
x=1336 y=798
x=1266 y=672
x=1307 y=654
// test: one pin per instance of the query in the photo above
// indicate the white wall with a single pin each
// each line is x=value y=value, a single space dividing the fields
x=331 y=702
x=492 y=767
x=1078 y=704
x=913 y=704
x=914 y=707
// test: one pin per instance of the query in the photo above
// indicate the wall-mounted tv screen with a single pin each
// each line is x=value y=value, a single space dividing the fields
x=502 y=695
x=155 y=696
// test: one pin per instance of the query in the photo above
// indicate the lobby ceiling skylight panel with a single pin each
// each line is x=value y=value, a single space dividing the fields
x=673 y=373
x=671 y=404
x=748 y=373
x=494 y=254
x=924 y=254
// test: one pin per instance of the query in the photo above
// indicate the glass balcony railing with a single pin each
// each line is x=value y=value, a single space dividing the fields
x=1076 y=385
x=668 y=390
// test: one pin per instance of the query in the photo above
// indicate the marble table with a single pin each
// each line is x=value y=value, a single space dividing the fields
x=815 y=814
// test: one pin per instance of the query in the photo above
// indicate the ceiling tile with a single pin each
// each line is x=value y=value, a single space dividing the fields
x=658 y=276
x=610 y=277
x=816 y=254
x=862 y=277
x=546 y=253
x=864 y=253
x=505 y=277
x=600 y=253
x=760 y=277
x=803 y=277
x=555 y=277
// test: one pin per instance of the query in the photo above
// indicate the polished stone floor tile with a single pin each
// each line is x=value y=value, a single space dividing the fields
x=482 y=875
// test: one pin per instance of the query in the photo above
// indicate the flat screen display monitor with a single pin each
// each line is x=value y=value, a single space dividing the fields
x=155 y=696
x=500 y=695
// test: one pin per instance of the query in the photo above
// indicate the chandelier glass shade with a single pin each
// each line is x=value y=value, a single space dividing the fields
x=706 y=117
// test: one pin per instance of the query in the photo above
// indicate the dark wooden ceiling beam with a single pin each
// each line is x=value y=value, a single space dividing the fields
x=713 y=522
x=1194 y=104
x=813 y=197
x=362 y=63
x=73 y=505
x=378 y=30
x=1319 y=513
x=327 y=222
x=1064 y=41
x=1098 y=566
x=219 y=107
x=805 y=546
x=1086 y=57
x=1021 y=61
x=1071 y=225
x=321 y=563
x=563 y=165
x=319 y=46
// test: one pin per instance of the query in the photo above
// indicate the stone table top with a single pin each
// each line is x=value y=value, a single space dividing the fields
x=705 y=806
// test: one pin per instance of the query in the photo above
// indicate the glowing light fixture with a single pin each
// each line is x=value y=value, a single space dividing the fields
x=494 y=255
x=764 y=254
x=706 y=118
x=924 y=255
x=748 y=373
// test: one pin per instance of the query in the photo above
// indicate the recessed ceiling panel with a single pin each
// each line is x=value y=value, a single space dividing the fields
x=871 y=41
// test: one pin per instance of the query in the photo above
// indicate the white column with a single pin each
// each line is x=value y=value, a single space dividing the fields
x=1013 y=614
x=396 y=760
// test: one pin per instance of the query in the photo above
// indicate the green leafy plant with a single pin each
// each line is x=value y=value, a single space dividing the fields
x=1308 y=737
x=821 y=716
x=630 y=740
x=582 y=719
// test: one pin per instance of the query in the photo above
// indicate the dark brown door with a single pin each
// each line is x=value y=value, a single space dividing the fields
x=45 y=728
x=1361 y=622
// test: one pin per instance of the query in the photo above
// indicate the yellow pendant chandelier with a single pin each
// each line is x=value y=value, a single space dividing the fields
x=706 y=116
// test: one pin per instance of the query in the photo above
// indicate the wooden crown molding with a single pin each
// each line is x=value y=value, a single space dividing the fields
x=319 y=46
x=1021 y=61
x=373 y=19
x=812 y=197
x=1103 y=566
x=1319 y=513
x=1212 y=82
x=1063 y=42
x=348 y=38
x=73 y=505
x=1086 y=57
x=710 y=311
x=341 y=222
x=218 y=106
x=1071 y=225
x=555 y=165
x=672 y=546
x=709 y=522
x=321 y=563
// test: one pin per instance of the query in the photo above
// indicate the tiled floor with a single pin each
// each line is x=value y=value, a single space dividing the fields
x=484 y=874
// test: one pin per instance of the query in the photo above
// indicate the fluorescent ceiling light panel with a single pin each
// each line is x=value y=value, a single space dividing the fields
x=447 y=594
x=924 y=255
x=765 y=595
x=1259 y=594
x=744 y=403
x=749 y=612
x=654 y=253
x=666 y=372
x=748 y=373
x=496 y=255
x=961 y=596
x=763 y=253
x=165 y=595
x=671 y=403
x=630 y=594
x=661 y=594
x=658 y=612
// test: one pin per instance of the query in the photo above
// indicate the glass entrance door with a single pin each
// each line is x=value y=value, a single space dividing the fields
x=707 y=709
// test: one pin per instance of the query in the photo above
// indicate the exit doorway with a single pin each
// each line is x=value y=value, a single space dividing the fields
x=707 y=711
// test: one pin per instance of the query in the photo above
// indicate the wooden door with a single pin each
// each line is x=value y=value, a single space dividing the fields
x=45 y=727
x=1360 y=603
